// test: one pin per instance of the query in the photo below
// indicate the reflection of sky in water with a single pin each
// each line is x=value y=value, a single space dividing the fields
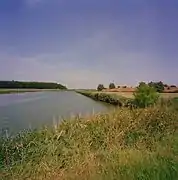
x=33 y=110
x=8 y=99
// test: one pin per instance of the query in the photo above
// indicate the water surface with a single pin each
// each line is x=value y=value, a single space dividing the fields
x=35 y=109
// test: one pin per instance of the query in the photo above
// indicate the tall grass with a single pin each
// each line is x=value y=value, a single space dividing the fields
x=122 y=144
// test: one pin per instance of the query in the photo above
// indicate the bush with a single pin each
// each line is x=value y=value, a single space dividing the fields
x=104 y=97
x=173 y=86
x=145 y=96
x=142 y=83
x=159 y=86
x=100 y=87
x=112 y=86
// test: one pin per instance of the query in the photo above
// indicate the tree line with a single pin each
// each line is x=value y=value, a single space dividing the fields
x=30 y=85
x=158 y=86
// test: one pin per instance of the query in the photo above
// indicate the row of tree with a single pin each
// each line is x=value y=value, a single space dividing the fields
x=101 y=86
x=111 y=86
x=30 y=85
x=158 y=86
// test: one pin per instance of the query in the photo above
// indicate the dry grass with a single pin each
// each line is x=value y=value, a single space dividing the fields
x=130 y=94
x=169 y=95
x=121 y=144
x=124 y=94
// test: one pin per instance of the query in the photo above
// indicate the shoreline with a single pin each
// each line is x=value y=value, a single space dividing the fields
x=12 y=91
x=16 y=91
x=113 y=99
x=121 y=144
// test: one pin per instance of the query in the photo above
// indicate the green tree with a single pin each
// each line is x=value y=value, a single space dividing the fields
x=145 y=96
x=112 y=86
x=33 y=85
x=142 y=83
x=100 y=87
x=159 y=86
x=173 y=86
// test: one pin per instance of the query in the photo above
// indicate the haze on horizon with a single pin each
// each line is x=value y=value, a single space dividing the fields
x=83 y=43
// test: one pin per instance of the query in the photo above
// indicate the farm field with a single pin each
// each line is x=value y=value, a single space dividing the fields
x=130 y=94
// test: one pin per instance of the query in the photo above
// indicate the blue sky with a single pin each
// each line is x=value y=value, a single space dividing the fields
x=81 y=43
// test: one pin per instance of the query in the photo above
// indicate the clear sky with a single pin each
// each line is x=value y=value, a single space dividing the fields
x=81 y=43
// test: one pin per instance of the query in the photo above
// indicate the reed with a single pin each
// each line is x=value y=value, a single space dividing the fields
x=121 y=144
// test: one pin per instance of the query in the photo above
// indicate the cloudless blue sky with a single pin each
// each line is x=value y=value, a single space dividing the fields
x=81 y=43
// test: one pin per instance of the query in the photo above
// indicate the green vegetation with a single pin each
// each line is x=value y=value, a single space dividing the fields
x=121 y=144
x=107 y=98
x=30 y=85
x=100 y=87
x=125 y=143
x=112 y=86
x=145 y=95
x=159 y=86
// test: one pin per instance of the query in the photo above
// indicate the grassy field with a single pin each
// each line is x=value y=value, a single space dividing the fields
x=130 y=94
x=139 y=144
x=124 y=94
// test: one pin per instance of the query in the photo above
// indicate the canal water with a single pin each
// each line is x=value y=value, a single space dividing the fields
x=35 y=109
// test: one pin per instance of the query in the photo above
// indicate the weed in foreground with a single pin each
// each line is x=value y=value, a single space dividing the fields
x=122 y=144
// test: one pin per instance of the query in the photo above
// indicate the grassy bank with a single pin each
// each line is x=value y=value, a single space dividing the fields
x=113 y=99
x=122 y=99
x=121 y=144
x=10 y=91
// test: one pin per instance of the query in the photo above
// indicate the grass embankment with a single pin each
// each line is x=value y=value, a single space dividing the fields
x=121 y=144
x=10 y=91
x=113 y=99
x=122 y=99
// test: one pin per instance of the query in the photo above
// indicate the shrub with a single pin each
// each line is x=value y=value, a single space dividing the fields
x=108 y=98
x=100 y=87
x=142 y=83
x=145 y=96
x=112 y=86
x=173 y=86
x=159 y=86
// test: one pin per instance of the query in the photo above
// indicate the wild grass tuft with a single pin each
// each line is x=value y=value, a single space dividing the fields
x=122 y=144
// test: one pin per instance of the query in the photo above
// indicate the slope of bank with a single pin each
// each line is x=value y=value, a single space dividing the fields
x=11 y=91
x=107 y=98
x=124 y=100
x=121 y=144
